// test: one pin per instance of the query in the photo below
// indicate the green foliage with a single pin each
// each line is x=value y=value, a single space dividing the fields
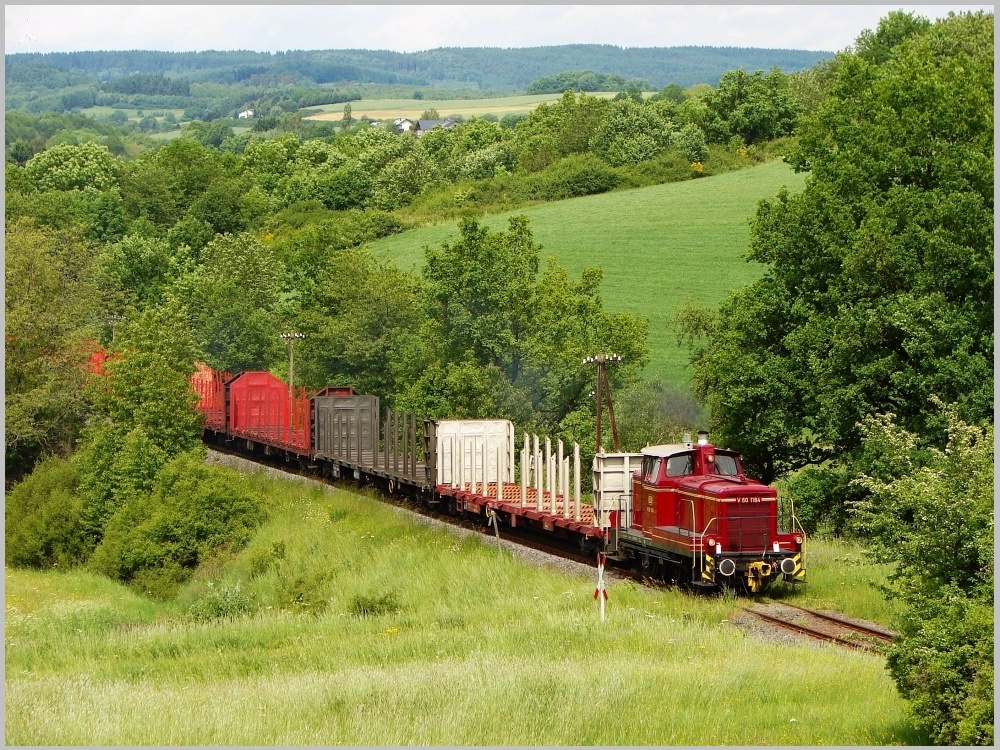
x=583 y=80
x=208 y=133
x=232 y=298
x=553 y=131
x=50 y=308
x=136 y=270
x=822 y=497
x=879 y=288
x=362 y=317
x=691 y=142
x=672 y=92
x=504 y=341
x=400 y=181
x=222 y=602
x=631 y=133
x=146 y=413
x=194 y=510
x=755 y=107
x=930 y=512
x=151 y=83
x=19 y=152
x=162 y=186
x=482 y=287
x=65 y=167
x=43 y=519
x=582 y=174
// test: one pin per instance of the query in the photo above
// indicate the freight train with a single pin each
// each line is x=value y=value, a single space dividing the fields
x=684 y=513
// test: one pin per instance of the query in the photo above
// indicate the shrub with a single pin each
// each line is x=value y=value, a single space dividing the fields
x=43 y=519
x=577 y=175
x=305 y=592
x=822 y=496
x=221 y=602
x=931 y=513
x=374 y=606
x=691 y=141
x=155 y=541
x=943 y=665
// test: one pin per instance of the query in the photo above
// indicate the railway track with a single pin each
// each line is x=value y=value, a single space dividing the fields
x=823 y=626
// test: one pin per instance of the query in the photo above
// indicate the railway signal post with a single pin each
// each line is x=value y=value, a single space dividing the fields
x=601 y=592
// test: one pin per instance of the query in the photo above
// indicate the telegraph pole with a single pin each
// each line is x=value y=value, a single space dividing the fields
x=291 y=337
x=604 y=393
x=112 y=321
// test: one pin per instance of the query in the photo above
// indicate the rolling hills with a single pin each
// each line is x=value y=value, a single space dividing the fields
x=658 y=246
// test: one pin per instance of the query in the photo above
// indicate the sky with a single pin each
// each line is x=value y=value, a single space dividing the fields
x=412 y=28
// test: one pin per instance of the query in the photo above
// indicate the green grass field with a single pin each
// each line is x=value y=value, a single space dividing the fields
x=658 y=246
x=380 y=109
x=468 y=646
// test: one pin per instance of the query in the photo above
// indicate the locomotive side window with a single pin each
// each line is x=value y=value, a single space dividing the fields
x=651 y=469
x=726 y=465
x=678 y=466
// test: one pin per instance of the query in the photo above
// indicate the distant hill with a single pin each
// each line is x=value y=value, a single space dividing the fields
x=488 y=68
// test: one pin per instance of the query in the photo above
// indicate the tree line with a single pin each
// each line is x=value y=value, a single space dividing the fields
x=506 y=70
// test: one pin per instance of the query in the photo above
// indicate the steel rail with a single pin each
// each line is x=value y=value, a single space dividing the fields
x=882 y=635
x=839 y=640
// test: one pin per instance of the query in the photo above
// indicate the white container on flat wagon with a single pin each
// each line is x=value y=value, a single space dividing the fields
x=463 y=445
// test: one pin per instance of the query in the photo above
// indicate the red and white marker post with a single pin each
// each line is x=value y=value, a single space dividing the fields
x=601 y=592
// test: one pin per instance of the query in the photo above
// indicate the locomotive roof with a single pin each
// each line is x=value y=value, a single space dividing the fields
x=662 y=451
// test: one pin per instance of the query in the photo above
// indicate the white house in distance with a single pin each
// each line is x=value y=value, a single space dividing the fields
x=246 y=114
x=403 y=125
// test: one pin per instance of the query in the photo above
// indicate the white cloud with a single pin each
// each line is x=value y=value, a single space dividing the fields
x=420 y=27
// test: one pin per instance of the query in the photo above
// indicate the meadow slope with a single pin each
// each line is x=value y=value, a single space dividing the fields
x=658 y=246
x=346 y=622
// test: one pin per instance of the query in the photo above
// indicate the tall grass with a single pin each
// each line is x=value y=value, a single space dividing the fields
x=468 y=646
x=659 y=246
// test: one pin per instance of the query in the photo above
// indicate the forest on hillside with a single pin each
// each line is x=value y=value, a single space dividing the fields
x=486 y=68
x=209 y=85
x=858 y=370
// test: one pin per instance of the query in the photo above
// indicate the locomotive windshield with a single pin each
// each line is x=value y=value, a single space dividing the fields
x=726 y=465
x=678 y=466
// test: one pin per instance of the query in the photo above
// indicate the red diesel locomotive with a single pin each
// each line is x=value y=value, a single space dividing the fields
x=693 y=516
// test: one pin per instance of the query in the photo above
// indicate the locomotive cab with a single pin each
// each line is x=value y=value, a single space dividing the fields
x=697 y=518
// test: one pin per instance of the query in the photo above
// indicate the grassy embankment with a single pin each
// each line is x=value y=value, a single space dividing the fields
x=381 y=109
x=658 y=246
x=470 y=647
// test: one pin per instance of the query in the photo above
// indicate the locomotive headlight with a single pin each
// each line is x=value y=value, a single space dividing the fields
x=798 y=540
x=711 y=542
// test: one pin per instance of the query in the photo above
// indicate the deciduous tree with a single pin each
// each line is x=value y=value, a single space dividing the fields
x=878 y=291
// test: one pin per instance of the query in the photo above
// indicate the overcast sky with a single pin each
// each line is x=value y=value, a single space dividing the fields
x=411 y=28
